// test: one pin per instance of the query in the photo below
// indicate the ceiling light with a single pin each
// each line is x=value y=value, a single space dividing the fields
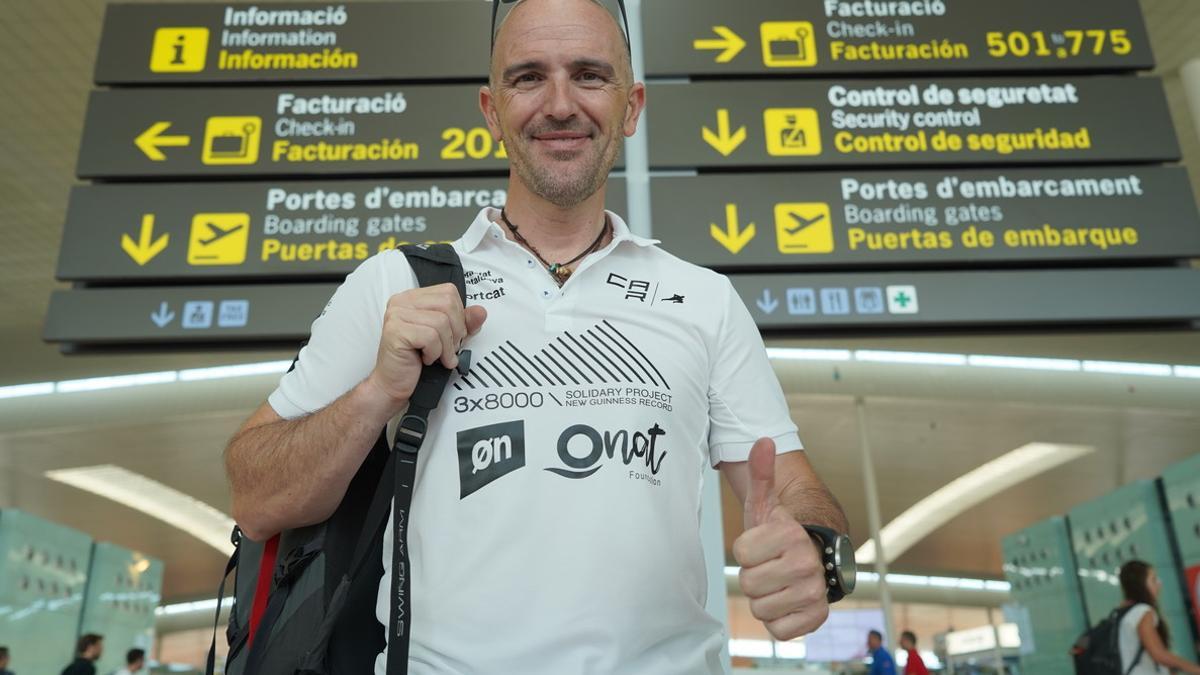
x=794 y=354
x=1023 y=363
x=1187 y=371
x=922 y=358
x=151 y=497
x=964 y=492
x=34 y=389
x=243 y=370
x=751 y=648
x=1126 y=368
x=116 y=381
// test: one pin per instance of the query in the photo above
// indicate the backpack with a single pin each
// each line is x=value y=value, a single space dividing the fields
x=304 y=600
x=1098 y=650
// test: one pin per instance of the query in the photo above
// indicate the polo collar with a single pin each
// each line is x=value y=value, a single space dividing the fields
x=485 y=224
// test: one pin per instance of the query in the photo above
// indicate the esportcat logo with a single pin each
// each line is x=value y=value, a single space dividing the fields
x=582 y=450
x=487 y=453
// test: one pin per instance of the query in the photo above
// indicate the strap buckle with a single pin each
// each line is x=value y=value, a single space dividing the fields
x=411 y=433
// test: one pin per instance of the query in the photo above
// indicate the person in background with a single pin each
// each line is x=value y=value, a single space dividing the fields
x=881 y=660
x=1143 y=636
x=87 y=652
x=135 y=660
x=915 y=664
x=4 y=662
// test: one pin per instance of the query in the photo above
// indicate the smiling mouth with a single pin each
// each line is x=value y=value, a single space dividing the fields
x=561 y=142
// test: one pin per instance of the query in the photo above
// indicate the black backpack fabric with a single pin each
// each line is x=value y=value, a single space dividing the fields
x=319 y=614
x=1098 y=650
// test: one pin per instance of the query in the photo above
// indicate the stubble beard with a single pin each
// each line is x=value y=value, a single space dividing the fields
x=564 y=189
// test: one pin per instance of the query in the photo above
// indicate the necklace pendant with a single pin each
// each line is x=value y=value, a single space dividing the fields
x=560 y=272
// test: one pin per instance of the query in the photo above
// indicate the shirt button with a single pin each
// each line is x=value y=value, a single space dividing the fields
x=547 y=294
x=529 y=264
x=495 y=235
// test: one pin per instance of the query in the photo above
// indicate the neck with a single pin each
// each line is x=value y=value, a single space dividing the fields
x=559 y=233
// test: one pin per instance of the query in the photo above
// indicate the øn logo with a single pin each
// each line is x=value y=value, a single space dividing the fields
x=487 y=453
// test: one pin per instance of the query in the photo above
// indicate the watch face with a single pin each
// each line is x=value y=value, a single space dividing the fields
x=847 y=569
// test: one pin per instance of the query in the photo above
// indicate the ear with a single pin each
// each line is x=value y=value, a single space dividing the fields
x=634 y=108
x=487 y=106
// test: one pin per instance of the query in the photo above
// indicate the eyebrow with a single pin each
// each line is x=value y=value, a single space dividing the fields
x=603 y=66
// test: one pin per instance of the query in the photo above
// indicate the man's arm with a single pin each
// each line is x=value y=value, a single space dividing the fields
x=800 y=490
x=781 y=574
x=290 y=473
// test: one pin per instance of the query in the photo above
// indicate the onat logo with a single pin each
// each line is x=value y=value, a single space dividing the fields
x=581 y=449
x=488 y=453
x=179 y=50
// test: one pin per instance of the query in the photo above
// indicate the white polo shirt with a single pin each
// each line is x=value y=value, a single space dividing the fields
x=555 y=521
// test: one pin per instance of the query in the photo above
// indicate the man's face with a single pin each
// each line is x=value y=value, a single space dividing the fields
x=561 y=97
x=873 y=642
x=136 y=666
x=97 y=651
x=905 y=643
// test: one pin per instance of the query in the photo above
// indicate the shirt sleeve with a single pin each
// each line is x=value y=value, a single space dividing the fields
x=345 y=338
x=745 y=401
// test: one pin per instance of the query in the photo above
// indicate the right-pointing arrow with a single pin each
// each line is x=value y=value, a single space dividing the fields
x=163 y=316
x=731 y=43
x=767 y=303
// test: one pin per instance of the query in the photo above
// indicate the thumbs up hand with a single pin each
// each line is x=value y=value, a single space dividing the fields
x=781 y=566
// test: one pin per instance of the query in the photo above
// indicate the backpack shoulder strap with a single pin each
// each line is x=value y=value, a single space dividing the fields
x=432 y=265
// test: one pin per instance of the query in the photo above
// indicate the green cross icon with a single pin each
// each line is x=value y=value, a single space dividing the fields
x=903 y=299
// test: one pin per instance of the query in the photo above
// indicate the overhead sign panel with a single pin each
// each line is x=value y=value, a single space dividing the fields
x=282 y=313
x=786 y=37
x=952 y=217
x=200 y=314
x=265 y=231
x=300 y=130
x=898 y=121
x=155 y=43
x=1008 y=298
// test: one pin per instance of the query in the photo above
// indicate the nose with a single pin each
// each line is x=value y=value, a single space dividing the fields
x=560 y=101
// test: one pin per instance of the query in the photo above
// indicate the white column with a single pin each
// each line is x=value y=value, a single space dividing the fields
x=875 y=522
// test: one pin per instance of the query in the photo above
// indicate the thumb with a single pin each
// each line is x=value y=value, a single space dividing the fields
x=475 y=316
x=760 y=495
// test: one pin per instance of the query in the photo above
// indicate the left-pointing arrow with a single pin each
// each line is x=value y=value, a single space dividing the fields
x=150 y=140
x=143 y=250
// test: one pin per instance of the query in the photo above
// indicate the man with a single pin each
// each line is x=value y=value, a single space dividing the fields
x=554 y=522
x=881 y=660
x=88 y=650
x=135 y=659
x=4 y=662
x=915 y=664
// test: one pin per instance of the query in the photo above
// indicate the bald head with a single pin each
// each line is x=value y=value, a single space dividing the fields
x=560 y=21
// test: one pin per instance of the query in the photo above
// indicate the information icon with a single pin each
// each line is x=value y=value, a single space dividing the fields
x=179 y=50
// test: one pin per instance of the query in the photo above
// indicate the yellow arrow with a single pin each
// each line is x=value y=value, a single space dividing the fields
x=731 y=42
x=730 y=237
x=722 y=141
x=150 y=140
x=143 y=251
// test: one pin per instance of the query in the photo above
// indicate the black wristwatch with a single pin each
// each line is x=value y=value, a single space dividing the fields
x=837 y=560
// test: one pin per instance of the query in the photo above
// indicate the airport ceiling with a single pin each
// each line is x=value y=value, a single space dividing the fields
x=926 y=429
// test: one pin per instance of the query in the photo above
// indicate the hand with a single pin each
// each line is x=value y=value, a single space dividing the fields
x=420 y=327
x=781 y=565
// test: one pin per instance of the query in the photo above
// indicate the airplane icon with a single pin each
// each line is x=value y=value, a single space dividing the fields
x=804 y=228
x=219 y=239
x=218 y=233
x=677 y=299
x=802 y=222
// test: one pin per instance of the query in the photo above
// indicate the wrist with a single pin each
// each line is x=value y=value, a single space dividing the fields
x=378 y=404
